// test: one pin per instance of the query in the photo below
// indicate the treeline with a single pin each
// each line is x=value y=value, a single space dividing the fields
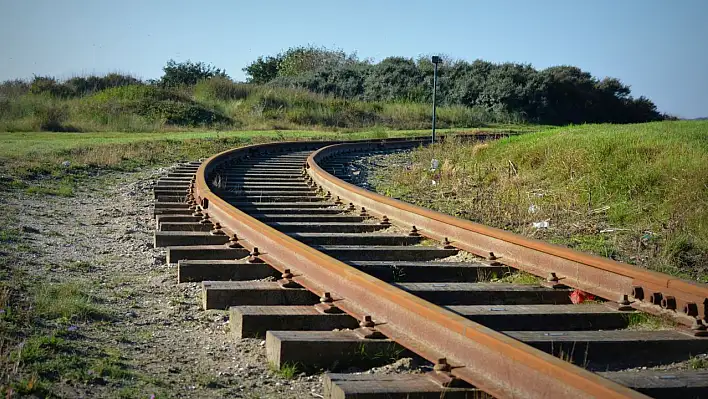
x=309 y=87
x=555 y=95
x=196 y=95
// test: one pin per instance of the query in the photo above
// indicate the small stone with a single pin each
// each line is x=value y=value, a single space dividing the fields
x=31 y=230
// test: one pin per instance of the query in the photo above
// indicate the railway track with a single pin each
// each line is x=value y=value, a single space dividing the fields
x=335 y=276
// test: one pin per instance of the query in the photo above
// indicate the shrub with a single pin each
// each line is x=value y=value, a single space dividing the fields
x=180 y=113
x=84 y=85
x=153 y=103
x=13 y=88
x=52 y=118
x=49 y=86
x=188 y=73
x=221 y=89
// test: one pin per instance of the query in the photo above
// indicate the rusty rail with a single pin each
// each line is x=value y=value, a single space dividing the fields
x=490 y=360
x=684 y=301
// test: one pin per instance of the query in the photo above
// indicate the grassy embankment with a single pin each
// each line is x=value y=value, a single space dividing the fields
x=220 y=104
x=635 y=193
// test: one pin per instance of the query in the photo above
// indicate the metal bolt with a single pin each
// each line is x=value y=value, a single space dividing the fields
x=385 y=221
x=655 y=298
x=552 y=278
x=233 y=242
x=367 y=322
x=338 y=201
x=351 y=207
x=668 y=302
x=414 y=232
x=447 y=244
x=287 y=275
x=216 y=229
x=326 y=298
x=253 y=258
x=691 y=309
x=624 y=304
x=363 y=212
x=624 y=301
x=442 y=365
x=491 y=256
x=638 y=292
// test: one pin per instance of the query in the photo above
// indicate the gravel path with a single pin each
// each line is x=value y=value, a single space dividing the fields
x=103 y=238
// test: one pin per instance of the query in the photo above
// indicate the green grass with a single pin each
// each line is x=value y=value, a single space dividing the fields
x=648 y=322
x=635 y=193
x=698 y=363
x=60 y=190
x=9 y=235
x=224 y=105
x=37 y=162
x=518 y=277
x=67 y=301
x=79 y=266
x=286 y=371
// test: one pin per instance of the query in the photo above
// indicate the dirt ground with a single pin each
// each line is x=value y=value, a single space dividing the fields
x=102 y=239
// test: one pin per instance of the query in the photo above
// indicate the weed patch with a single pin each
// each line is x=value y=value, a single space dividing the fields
x=698 y=363
x=67 y=302
x=518 y=277
x=647 y=322
x=287 y=370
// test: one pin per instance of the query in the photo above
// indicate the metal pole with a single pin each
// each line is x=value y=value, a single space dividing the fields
x=435 y=88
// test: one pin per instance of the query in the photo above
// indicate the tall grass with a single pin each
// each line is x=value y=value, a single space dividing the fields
x=122 y=105
x=636 y=193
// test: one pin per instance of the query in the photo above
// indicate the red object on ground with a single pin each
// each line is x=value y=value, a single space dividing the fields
x=578 y=296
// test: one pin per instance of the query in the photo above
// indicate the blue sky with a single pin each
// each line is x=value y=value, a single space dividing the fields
x=659 y=47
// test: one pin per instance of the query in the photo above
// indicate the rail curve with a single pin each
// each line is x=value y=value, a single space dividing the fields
x=462 y=349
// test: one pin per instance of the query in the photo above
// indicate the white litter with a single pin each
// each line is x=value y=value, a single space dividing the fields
x=540 y=225
x=433 y=182
x=533 y=208
x=434 y=163
x=66 y=164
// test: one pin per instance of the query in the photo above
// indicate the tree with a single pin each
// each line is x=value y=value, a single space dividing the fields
x=301 y=60
x=188 y=73
x=394 y=78
x=263 y=70
x=556 y=95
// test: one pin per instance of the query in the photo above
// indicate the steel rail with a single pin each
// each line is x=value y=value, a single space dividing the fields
x=491 y=361
x=684 y=301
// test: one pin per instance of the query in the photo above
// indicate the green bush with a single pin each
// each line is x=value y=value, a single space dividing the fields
x=188 y=73
x=49 y=86
x=13 y=88
x=84 y=85
x=52 y=118
x=221 y=89
x=153 y=103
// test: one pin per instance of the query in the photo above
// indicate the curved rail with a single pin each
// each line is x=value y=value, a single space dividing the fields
x=481 y=356
x=653 y=292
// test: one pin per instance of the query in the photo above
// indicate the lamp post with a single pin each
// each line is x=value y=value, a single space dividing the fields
x=436 y=60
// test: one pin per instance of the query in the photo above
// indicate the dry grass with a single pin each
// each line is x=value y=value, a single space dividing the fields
x=635 y=193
